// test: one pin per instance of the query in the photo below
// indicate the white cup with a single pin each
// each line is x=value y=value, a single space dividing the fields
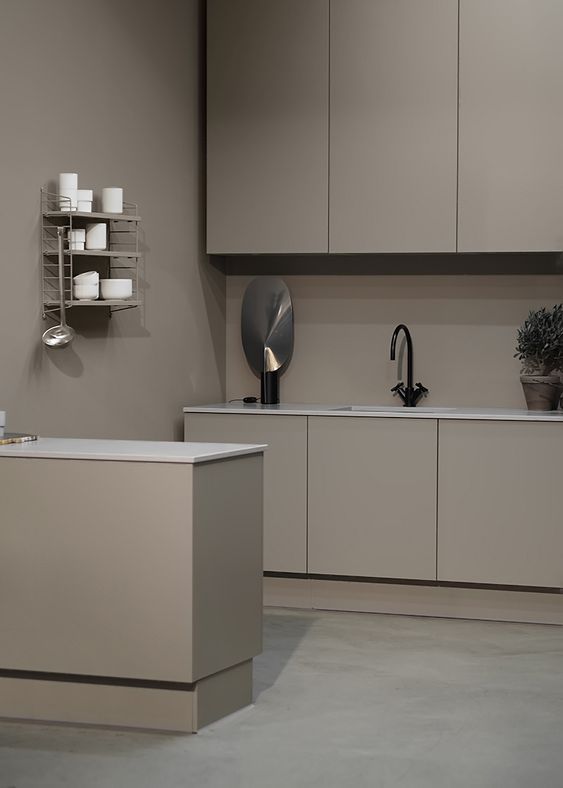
x=84 y=198
x=68 y=180
x=67 y=199
x=112 y=200
x=77 y=239
x=96 y=236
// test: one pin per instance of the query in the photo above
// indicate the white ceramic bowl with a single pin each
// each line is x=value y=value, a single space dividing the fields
x=87 y=278
x=116 y=288
x=86 y=292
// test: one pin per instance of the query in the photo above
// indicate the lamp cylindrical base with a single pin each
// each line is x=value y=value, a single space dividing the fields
x=270 y=388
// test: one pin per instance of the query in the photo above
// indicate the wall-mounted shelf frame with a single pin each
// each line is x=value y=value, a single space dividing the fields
x=123 y=254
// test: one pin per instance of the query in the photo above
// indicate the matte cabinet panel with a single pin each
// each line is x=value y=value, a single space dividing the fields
x=372 y=497
x=132 y=576
x=285 y=477
x=511 y=125
x=499 y=512
x=267 y=126
x=393 y=125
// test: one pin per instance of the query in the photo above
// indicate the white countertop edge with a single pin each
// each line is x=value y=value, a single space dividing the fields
x=175 y=452
x=475 y=414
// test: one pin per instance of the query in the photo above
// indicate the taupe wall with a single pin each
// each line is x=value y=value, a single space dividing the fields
x=463 y=331
x=111 y=89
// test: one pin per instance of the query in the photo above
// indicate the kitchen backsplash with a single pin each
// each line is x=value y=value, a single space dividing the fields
x=463 y=328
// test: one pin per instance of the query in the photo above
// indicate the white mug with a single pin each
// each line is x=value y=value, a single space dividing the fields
x=76 y=239
x=112 y=200
x=96 y=236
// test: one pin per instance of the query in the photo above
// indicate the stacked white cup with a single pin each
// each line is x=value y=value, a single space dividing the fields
x=68 y=191
x=85 y=198
x=77 y=239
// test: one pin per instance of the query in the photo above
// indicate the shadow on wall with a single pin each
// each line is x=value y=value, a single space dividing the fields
x=89 y=324
x=66 y=360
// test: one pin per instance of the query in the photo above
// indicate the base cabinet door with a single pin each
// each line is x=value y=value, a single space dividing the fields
x=372 y=497
x=285 y=477
x=499 y=509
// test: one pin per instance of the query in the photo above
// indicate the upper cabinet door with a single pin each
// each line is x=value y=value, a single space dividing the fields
x=511 y=125
x=267 y=126
x=393 y=125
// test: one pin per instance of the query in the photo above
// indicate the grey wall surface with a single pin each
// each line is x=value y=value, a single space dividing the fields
x=113 y=91
x=463 y=331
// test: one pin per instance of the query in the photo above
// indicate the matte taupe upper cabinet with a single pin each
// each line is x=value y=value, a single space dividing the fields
x=511 y=125
x=267 y=126
x=393 y=125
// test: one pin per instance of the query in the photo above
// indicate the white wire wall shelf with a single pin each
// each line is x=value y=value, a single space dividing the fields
x=122 y=257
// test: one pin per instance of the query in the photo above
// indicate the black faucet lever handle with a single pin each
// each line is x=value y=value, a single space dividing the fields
x=423 y=390
x=396 y=388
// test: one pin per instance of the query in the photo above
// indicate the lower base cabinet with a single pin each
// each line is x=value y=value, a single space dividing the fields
x=372 y=497
x=499 y=511
x=285 y=477
x=466 y=502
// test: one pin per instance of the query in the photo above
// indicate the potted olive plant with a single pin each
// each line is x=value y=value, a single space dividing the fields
x=540 y=349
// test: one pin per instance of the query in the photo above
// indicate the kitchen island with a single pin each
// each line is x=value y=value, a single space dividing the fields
x=131 y=576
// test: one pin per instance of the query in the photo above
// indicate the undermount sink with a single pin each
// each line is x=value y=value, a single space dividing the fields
x=391 y=409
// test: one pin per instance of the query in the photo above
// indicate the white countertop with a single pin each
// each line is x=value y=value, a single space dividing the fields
x=128 y=451
x=386 y=411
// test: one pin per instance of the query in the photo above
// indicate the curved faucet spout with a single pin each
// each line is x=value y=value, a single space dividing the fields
x=409 y=394
x=402 y=327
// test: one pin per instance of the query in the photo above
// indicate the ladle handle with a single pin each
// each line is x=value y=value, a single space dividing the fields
x=60 y=239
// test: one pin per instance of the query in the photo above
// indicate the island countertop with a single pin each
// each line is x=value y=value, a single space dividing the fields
x=128 y=451
x=383 y=411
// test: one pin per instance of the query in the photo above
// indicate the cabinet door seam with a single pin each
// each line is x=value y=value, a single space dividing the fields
x=437 y=487
x=457 y=130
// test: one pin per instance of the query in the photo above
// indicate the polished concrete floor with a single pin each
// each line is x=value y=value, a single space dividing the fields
x=344 y=700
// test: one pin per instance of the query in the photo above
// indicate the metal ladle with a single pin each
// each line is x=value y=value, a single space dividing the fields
x=61 y=335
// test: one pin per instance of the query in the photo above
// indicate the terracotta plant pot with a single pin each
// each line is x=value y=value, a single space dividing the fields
x=542 y=392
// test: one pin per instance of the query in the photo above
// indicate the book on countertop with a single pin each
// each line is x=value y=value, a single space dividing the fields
x=16 y=437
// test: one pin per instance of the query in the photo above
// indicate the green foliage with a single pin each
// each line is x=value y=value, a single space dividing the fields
x=540 y=341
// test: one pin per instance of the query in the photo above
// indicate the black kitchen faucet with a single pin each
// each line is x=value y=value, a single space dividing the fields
x=409 y=394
